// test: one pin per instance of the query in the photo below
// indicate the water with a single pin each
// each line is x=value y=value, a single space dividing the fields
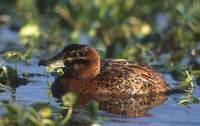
x=167 y=113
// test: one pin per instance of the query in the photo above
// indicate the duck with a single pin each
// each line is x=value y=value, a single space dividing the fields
x=86 y=73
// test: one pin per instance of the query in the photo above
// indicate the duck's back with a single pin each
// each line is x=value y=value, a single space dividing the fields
x=121 y=76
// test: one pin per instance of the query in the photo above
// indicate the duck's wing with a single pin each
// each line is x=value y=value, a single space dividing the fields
x=129 y=77
x=124 y=65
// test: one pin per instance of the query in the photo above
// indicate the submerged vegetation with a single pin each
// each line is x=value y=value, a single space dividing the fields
x=164 y=34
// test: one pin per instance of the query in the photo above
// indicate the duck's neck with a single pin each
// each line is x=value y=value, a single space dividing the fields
x=90 y=69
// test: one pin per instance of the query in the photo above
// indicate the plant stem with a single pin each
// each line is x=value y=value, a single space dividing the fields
x=191 y=82
x=68 y=116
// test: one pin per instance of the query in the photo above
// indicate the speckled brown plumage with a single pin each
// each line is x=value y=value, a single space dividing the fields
x=130 y=78
x=86 y=73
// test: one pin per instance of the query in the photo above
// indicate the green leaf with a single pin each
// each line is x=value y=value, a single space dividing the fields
x=69 y=99
x=29 y=32
x=92 y=108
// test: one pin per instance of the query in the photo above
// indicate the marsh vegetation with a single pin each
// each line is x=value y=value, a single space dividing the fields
x=163 y=34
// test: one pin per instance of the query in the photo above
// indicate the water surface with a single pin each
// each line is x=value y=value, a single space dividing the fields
x=167 y=113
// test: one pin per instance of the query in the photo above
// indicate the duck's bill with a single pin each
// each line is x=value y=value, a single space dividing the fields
x=54 y=62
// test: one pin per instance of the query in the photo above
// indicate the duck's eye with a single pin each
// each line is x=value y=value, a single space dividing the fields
x=74 y=54
x=81 y=61
x=81 y=54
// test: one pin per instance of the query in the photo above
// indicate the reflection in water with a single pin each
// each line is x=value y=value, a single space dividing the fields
x=124 y=105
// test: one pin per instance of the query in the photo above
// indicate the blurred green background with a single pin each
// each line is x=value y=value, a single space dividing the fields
x=164 y=34
x=152 y=32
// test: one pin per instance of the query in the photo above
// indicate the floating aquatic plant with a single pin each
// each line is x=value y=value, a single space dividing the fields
x=9 y=76
x=42 y=114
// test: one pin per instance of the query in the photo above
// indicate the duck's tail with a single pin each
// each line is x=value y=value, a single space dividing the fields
x=175 y=90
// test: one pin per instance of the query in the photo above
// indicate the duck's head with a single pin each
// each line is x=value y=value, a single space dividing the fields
x=78 y=60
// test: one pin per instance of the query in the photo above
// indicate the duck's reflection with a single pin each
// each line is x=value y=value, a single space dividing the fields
x=124 y=105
